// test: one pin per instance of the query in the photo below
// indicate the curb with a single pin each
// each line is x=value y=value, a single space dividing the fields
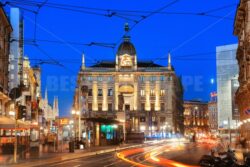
x=69 y=158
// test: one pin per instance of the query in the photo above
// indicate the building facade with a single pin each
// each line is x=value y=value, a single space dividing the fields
x=213 y=112
x=196 y=120
x=16 y=47
x=227 y=73
x=242 y=31
x=5 y=31
x=146 y=96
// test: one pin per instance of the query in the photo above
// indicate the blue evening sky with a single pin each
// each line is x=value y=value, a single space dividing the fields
x=182 y=34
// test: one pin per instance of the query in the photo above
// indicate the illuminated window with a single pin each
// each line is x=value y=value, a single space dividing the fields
x=162 y=92
x=152 y=92
x=142 y=92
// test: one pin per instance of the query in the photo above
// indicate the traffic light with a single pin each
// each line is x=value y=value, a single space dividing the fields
x=21 y=112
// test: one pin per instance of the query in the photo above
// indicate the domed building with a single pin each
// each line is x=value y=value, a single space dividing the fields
x=142 y=96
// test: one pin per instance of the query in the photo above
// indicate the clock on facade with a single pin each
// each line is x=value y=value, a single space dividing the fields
x=126 y=60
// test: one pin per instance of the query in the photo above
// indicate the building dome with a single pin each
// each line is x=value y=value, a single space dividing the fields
x=126 y=47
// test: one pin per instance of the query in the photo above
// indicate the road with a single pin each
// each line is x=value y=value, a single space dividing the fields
x=171 y=154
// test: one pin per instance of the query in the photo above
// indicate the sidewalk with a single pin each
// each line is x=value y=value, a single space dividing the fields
x=47 y=158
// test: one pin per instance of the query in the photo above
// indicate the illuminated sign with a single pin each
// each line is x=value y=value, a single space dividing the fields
x=64 y=121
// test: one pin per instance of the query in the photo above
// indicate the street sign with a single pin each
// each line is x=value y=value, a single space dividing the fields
x=247 y=111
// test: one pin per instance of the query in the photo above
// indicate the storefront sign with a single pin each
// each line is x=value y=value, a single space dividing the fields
x=64 y=121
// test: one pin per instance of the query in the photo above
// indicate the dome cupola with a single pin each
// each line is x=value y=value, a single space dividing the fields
x=126 y=53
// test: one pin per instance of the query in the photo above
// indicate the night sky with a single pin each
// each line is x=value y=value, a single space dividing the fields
x=189 y=29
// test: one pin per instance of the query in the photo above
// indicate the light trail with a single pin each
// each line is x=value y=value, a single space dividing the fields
x=152 y=155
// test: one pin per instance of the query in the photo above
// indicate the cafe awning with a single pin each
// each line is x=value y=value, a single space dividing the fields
x=9 y=123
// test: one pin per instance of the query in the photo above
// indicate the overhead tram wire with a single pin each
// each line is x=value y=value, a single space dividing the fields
x=190 y=13
x=124 y=13
x=39 y=7
x=147 y=16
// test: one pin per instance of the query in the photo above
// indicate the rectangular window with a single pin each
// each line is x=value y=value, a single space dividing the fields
x=143 y=106
x=142 y=78
x=110 y=92
x=90 y=106
x=99 y=92
x=162 y=93
x=152 y=78
x=90 y=92
x=1 y=110
x=162 y=106
x=12 y=67
x=110 y=107
x=89 y=78
x=142 y=119
x=162 y=78
x=152 y=106
x=99 y=106
x=110 y=78
x=152 y=92
x=99 y=78
x=127 y=107
x=142 y=93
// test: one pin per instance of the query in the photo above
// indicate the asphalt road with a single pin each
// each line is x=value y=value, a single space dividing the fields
x=157 y=154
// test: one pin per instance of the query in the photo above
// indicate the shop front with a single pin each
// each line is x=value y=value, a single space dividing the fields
x=11 y=131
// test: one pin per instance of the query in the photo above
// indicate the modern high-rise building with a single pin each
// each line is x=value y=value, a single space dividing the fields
x=150 y=95
x=227 y=74
x=16 y=47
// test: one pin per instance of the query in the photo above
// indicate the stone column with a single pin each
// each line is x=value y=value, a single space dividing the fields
x=135 y=96
x=147 y=95
x=157 y=96
x=105 y=97
x=95 y=98
x=116 y=95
